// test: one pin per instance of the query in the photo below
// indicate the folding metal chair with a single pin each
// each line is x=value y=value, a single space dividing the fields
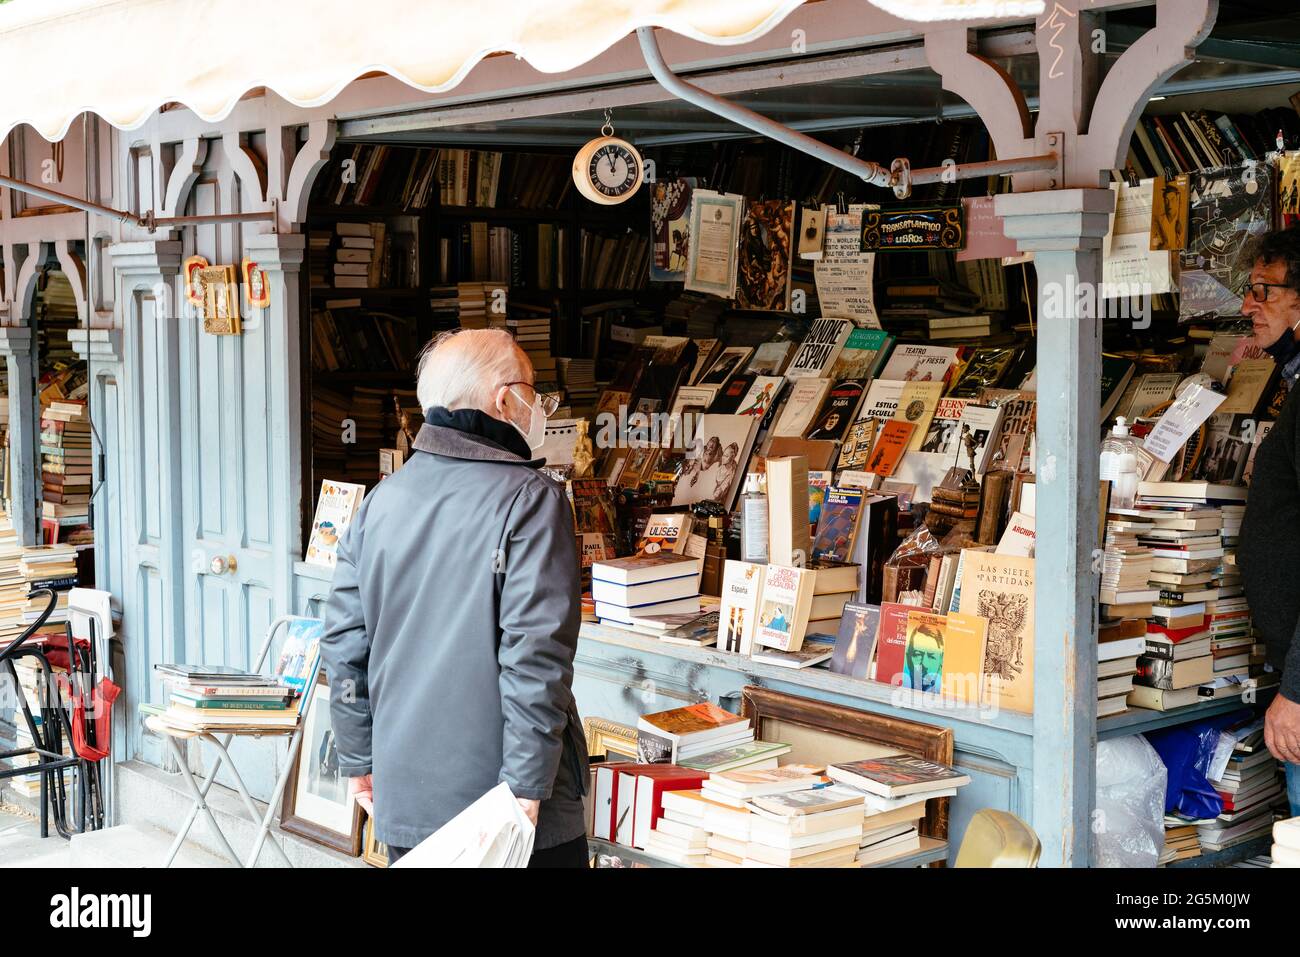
x=263 y=821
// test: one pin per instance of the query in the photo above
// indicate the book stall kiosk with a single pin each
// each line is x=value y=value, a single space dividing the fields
x=160 y=383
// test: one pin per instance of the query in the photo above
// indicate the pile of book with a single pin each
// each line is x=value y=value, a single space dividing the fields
x=348 y=432
x=221 y=697
x=1119 y=645
x=48 y=566
x=202 y=698
x=1286 y=843
x=578 y=378
x=472 y=305
x=531 y=327
x=894 y=789
x=1200 y=641
x=65 y=467
x=680 y=734
x=1182 y=838
x=358 y=255
x=643 y=586
x=794 y=820
x=1249 y=785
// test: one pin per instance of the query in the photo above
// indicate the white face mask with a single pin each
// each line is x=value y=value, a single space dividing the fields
x=535 y=434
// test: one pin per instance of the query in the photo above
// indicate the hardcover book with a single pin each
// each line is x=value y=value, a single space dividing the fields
x=837 y=412
x=819 y=350
x=912 y=362
x=1000 y=588
x=805 y=397
x=889 y=448
x=783 y=611
x=837 y=528
x=335 y=510
x=856 y=641
x=897 y=775
x=742 y=588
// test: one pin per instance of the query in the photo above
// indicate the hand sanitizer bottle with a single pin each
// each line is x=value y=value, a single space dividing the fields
x=1118 y=464
x=753 y=521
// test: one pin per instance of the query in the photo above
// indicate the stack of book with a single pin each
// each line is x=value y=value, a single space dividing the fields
x=820 y=827
x=358 y=255
x=219 y=697
x=1182 y=838
x=531 y=327
x=893 y=786
x=684 y=733
x=1286 y=843
x=48 y=566
x=578 y=378
x=476 y=309
x=749 y=756
x=65 y=467
x=1119 y=645
x=1173 y=666
x=1126 y=570
x=13 y=584
x=725 y=828
x=1249 y=787
x=642 y=586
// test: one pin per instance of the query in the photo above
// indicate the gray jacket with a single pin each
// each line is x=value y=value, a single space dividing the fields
x=453 y=621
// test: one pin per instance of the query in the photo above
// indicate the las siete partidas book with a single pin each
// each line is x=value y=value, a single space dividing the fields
x=1000 y=588
x=783 y=610
x=335 y=510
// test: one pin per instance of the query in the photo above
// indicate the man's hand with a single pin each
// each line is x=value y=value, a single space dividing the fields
x=529 y=808
x=363 y=789
x=1282 y=729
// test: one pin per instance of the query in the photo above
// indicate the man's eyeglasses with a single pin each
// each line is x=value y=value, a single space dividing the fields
x=550 y=400
x=1259 y=291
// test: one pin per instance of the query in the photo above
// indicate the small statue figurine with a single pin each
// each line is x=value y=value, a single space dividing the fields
x=582 y=452
x=968 y=441
x=405 y=434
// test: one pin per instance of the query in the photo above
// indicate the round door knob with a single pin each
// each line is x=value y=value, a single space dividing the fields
x=223 y=563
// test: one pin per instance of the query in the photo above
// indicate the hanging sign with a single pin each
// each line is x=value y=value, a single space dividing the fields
x=220 y=301
x=257 y=293
x=915 y=227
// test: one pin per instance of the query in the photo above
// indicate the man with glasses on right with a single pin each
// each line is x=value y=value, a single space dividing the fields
x=1269 y=551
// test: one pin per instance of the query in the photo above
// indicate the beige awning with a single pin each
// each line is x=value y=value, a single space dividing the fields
x=123 y=59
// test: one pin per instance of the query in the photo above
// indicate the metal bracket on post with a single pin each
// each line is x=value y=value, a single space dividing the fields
x=1056 y=177
x=146 y=220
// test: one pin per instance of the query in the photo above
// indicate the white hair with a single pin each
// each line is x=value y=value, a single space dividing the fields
x=463 y=368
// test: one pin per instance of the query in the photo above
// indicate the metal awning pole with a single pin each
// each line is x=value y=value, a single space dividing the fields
x=147 y=221
x=899 y=176
x=865 y=170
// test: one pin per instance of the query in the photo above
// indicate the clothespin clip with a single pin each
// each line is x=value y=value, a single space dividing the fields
x=841 y=204
x=1131 y=175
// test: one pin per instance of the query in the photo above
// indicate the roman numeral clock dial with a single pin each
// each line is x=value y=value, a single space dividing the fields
x=608 y=170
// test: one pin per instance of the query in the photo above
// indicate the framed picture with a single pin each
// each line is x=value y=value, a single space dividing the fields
x=824 y=733
x=376 y=852
x=609 y=739
x=316 y=802
x=193 y=284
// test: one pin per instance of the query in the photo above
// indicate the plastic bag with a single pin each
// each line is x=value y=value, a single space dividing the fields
x=1129 y=822
x=1187 y=751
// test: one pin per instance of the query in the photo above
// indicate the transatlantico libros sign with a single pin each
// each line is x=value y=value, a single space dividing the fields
x=916 y=227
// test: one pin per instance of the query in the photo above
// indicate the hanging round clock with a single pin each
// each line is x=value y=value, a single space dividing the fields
x=608 y=170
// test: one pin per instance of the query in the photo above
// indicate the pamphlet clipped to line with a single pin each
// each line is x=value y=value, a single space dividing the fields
x=491 y=832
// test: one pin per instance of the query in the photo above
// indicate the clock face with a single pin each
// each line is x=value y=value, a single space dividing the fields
x=608 y=170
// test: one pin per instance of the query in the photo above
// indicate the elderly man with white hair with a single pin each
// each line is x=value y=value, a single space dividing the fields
x=453 y=619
